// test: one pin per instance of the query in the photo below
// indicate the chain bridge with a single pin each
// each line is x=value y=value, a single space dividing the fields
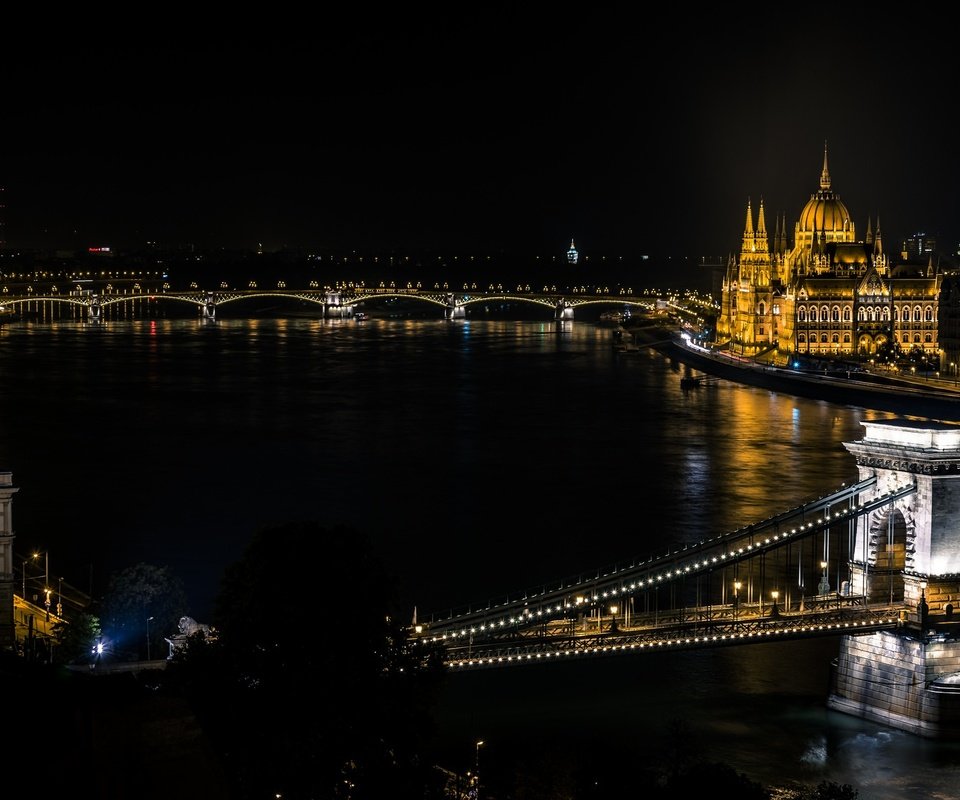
x=876 y=563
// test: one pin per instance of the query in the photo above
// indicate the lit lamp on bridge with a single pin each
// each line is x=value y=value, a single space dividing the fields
x=736 y=600
x=824 y=585
x=613 y=618
x=774 y=610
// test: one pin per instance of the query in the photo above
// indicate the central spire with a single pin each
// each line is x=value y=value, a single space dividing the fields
x=825 y=175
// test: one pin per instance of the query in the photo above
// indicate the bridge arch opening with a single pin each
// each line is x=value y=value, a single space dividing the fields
x=891 y=540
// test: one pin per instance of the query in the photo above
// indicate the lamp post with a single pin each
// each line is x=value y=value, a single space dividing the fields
x=774 y=611
x=736 y=600
x=148 y=637
x=46 y=566
x=476 y=767
x=824 y=587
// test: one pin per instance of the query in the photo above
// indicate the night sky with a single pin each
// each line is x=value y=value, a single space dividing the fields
x=485 y=133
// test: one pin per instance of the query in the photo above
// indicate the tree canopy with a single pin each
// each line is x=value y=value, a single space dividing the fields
x=311 y=687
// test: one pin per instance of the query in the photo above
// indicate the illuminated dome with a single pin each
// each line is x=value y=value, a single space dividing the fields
x=825 y=210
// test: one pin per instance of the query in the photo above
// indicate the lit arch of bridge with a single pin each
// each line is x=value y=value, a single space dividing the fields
x=544 y=623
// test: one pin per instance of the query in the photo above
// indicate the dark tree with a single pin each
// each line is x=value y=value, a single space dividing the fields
x=75 y=639
x=141 y=600
x=831 y=790
x=311 y=688
x=708 y=779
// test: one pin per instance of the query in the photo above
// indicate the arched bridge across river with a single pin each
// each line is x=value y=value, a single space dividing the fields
x=91 y=301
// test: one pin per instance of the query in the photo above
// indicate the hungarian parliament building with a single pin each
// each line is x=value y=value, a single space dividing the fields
x=826 y=292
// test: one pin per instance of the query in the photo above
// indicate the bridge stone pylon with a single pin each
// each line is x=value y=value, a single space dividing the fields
x=564 y=310
x=209 y=308
x=334 y=307
x=907 y=553
x=454 y=309
x=94 y=309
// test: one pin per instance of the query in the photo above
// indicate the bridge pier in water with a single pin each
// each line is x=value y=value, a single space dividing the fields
x=564 y=310
x=209 y=308
x=907 y=551
x=454 y=310
x=334 y=307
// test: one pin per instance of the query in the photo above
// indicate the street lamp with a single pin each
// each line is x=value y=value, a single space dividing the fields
x=46 y=565
x=736 y=600
x=824 y=587
x=774 y=611
x=46 y=571
x=476 y=767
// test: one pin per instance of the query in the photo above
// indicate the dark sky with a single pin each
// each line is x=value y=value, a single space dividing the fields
x=491 y=133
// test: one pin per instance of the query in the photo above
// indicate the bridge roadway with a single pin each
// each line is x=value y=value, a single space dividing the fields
x=91 y=298
x=569 y=616
x=701 y=627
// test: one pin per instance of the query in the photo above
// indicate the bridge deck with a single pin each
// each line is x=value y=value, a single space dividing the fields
x=699 y=628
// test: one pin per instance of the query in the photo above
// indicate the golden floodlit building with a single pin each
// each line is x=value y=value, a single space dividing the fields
x=825 y=292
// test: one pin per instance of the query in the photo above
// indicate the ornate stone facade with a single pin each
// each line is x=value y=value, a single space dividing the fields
x=826 y=293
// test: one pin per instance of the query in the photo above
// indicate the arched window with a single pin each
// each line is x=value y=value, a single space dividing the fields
x=761 y=309
x=870 y=314
x=885 y=313
x=906 y=338
x=825 y=313
x=813 y=314
x=802 y=338
x=928 y=338
x=823 y=338
x=861 y=314
x=802 y=314
x=896 y=314
x=916 y=314
x=916 y=338
x=846 y=313
x=835 y=338
x=836 y=314
x=928 y=314
x=846 y=338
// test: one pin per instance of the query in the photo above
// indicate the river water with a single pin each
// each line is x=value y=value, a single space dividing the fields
x=481 y=456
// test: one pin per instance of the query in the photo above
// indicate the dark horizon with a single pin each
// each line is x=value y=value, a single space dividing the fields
x=481 y=135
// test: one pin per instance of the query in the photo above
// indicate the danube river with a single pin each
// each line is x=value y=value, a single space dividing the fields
x=481 y=456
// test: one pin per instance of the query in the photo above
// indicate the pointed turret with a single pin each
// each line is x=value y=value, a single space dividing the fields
x=869 y=238
x=749 y=238
x=760 y=243
x=825 y=175
x=877 y=244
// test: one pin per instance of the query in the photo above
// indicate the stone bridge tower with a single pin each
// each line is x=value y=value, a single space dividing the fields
x=908 y=554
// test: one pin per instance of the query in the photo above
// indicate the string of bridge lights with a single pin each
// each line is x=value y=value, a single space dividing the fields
x=528 y=615
x=740 y=532
x=665 y=644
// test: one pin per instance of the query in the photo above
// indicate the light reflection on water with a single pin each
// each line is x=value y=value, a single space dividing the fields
x=482 y=457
